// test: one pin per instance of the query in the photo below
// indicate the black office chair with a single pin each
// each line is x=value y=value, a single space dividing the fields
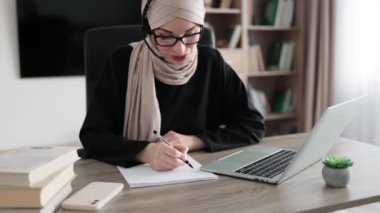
x=99 y=43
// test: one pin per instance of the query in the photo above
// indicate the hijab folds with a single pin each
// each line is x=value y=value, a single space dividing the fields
x=142 y=112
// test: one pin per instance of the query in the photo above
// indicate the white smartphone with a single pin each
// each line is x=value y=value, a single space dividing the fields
x=93 y=196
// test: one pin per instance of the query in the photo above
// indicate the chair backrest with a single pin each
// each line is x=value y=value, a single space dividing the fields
x=100 y=42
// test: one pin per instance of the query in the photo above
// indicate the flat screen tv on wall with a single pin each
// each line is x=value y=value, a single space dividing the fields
x=51 y=32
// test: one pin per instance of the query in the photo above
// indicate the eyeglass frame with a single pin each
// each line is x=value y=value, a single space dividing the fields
x=178 y=38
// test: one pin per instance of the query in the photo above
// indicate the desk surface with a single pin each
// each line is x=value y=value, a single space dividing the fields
x=304 y=192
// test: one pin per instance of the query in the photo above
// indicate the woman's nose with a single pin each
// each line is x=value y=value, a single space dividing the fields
x=179 y=48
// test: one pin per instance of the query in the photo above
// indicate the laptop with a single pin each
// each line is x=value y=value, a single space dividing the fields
x=275 y=165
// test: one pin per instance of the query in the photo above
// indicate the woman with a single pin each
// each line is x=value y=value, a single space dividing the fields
x=169 y=84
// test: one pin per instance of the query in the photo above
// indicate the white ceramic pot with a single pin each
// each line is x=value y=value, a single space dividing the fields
x=336 y=177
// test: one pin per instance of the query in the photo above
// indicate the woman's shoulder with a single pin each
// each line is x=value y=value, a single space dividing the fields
x=208 y=51
x=211 y=59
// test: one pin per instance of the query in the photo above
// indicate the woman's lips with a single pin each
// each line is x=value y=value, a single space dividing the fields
x=179 y=58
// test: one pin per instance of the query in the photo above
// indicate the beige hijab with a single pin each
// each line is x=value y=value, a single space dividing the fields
x=142 y=112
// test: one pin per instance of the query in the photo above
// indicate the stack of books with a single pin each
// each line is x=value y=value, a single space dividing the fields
x=36 y=179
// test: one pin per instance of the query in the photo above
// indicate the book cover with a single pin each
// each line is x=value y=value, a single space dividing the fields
x=282 y=101
x=271 y=11
x=253 y=59
x=274 y=56
x=279 y=101
x=37 y=196
x=52 y=206
x=285 y=13
x=257 y=63
x=287 y=55
x=259 y=101
x=27 y=166
x=288 y=16
x=280 y=13
x=260 y=58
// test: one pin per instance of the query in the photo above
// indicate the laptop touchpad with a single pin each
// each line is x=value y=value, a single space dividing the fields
x=244 y=157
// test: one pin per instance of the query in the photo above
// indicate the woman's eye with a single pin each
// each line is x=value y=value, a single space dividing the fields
x=166 y=37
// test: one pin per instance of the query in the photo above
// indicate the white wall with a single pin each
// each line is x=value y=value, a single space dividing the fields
x=37 y=111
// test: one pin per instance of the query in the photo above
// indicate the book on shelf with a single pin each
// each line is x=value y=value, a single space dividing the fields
x=225 y=4
x=271 y=8
x=281 y=56
x=274 y=55
x=27 y=166
x=282 y=101
x=51 y=206
x=257 y=63
x=259 y=101
x=284 y=13
x=36 y=196
x=286 y=57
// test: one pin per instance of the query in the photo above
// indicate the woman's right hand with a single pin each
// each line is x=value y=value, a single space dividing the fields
x=162 y=157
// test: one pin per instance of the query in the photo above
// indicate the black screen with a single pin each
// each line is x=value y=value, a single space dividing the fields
x=51 y=32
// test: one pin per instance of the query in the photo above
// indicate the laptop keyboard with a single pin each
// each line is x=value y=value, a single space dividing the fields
x=269 y=166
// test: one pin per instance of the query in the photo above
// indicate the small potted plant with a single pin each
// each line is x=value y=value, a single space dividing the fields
x=336 y=171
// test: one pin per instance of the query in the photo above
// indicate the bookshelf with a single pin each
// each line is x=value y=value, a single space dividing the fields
x=288 y=77
x=223 y=22
x=286 y=74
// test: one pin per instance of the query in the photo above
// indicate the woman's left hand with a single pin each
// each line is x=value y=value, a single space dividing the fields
x=191 y=141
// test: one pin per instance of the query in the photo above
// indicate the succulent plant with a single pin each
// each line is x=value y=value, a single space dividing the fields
x=337 y=162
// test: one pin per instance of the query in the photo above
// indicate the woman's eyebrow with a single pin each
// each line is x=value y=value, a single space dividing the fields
x=168 y=31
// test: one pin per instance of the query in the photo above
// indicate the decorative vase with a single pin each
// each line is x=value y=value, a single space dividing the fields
x=336 y=177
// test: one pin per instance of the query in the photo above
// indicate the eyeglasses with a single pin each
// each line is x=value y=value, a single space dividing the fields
x=169 y=41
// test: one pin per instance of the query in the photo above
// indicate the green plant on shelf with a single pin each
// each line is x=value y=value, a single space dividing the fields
x=337 y=162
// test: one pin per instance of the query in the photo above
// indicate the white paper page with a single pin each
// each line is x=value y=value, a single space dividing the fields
x=144 y=175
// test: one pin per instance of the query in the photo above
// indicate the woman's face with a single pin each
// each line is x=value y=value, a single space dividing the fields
x=179 y=53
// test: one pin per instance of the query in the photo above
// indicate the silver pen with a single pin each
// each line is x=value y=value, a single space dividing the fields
x=165 y=141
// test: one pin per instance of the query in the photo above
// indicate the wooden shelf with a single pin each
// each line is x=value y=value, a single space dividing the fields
x=223 y=11
x=271 y=73
x=270 y=28
x=279 y=116
x=265 y=82
x=271 y=83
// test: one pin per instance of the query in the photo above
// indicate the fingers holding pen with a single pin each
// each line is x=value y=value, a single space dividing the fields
x=164 y=157
x=182 y=149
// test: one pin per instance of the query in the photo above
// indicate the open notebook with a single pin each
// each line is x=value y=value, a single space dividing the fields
x=143 y=175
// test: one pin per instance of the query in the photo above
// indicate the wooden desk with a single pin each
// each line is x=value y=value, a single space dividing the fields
x=304 y=192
